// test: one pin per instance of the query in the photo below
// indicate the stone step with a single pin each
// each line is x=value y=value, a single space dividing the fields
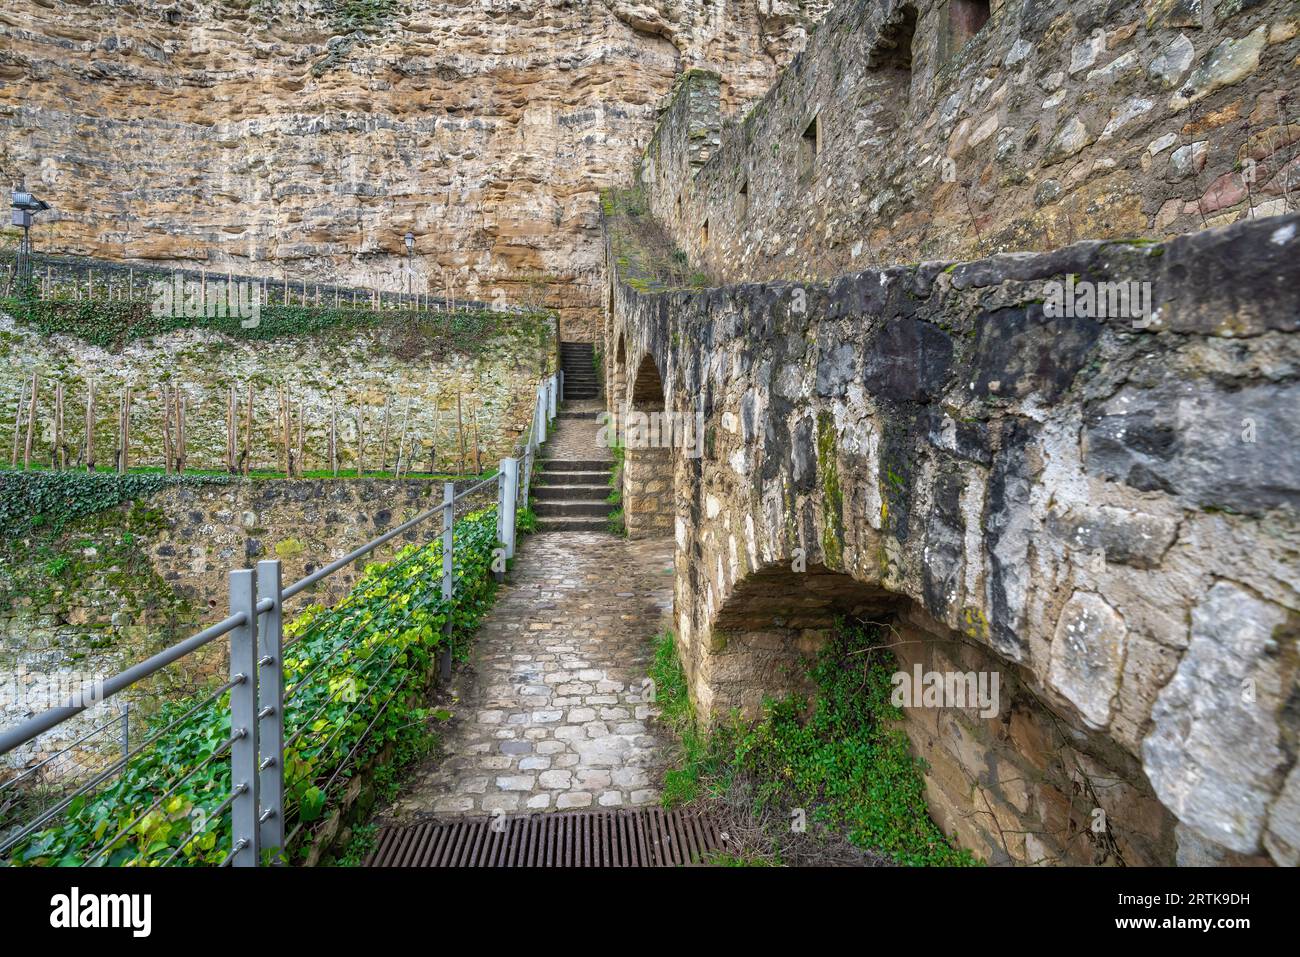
x=571 y=509
x=577 y=478
x=580 y=394
x=580 y=524
x=576 y=465
x=591 y=416
x=570 y=493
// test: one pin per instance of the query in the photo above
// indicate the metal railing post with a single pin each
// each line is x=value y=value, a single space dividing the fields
x=126 y=735
x=509 y=497
x=243 y=720
x=500 y=573
x=540 y=415
x=448 y=581
x=550 y=396
x=526 y=480
x=270 y=696
x=560 y=376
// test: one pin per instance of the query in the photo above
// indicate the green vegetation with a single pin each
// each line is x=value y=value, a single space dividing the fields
x=844 y=759
x=364 y=665
x=616 y=524
x=68 y=567
x=648 y=260
x=349 y=15
x=48 y=501
x=526 y=520
x=112 y=324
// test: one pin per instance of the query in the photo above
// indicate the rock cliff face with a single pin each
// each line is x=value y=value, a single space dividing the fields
x=272 y=137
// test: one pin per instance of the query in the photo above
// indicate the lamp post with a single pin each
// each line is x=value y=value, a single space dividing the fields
x=410 y=249
x=25 y=207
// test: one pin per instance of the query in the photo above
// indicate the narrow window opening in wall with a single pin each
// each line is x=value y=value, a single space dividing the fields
x=894 y=48
x=810 y=144
x=704 y=233
x=966 y=18
x=679 y=207
x=744 y=198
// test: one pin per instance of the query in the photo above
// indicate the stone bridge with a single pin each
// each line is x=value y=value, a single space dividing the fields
x=1098 y=509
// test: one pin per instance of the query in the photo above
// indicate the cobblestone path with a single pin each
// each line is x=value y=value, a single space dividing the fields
x=551 y=714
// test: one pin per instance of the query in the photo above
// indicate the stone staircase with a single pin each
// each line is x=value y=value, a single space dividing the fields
x=579 y=373
x=571 y=495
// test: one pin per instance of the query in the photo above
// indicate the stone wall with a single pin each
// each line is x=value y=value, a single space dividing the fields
x=1101 y=505
x=1057 y=121
x=281 y=137
x=648 y=505
x=144 y=576
x=350 y=373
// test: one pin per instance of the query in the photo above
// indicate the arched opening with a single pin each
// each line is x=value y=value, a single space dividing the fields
x=894 y=48
x=891 y=60
x=648 y=463
x=617 y=394
x=1004 y=775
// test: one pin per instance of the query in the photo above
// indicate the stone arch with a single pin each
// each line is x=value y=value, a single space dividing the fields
x=617 y=392
x=648 y=462
x=1006 y=776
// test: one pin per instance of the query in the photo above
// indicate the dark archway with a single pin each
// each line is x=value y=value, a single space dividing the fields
x=1004 y=774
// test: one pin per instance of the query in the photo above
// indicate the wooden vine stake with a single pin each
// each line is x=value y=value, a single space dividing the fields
x=90 y=425
x=360 y=441
x=433 y=439
x=383 y=442
x=167 y=430
x=460 y=432
x=283 y=419
x=124 y=432
x=59 y=457
x=248 y=431
x=31 y=422
x=401 y=445
x=478 y=468
x=179 y=399
x=18 y=422
x=232 y=440
x=334 y=432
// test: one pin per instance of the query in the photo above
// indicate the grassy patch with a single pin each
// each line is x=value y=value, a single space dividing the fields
x=616 y=524
x=841 y=759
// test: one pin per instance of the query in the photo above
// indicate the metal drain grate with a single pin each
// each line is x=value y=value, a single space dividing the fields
x=629 y=837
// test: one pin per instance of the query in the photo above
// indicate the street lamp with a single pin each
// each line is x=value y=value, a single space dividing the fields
x=25 y=206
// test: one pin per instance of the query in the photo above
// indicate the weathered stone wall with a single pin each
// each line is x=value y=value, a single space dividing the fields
x=1102 y=506
x=148 y=574
x=355 y=372
x=648 y=505
x=1056 y=122
x=278 y=137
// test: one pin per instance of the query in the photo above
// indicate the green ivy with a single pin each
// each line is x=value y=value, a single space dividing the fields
x=47 y=501
x=846 y=759
x=111 y=324
x=366 y=663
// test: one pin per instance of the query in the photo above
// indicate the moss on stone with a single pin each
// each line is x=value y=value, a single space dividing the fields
x=832 y=495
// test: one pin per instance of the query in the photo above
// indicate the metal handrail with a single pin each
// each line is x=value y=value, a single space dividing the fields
x=93 y=694
x=257 y=688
